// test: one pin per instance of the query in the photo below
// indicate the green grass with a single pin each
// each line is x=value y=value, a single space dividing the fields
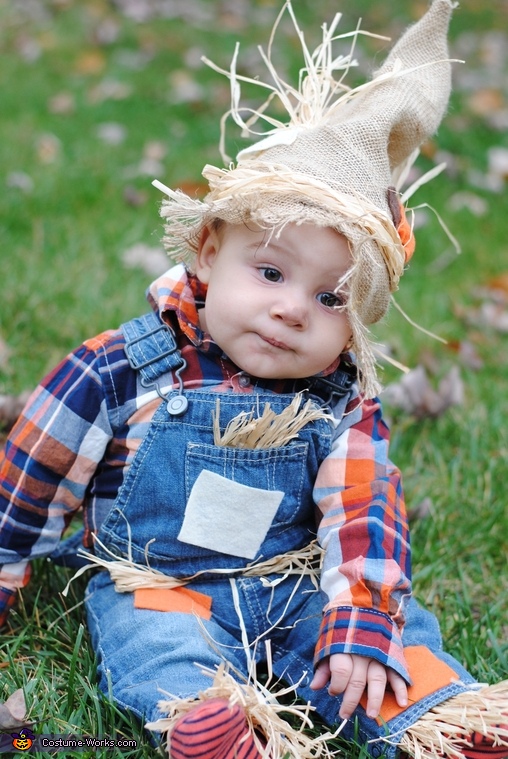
x=62 y=280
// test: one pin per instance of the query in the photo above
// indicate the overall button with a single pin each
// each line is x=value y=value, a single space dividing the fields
x=244 y=380
x=177 y=405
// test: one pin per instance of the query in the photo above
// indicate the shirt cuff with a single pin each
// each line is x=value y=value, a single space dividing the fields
x=7 y=600
x=366 y=632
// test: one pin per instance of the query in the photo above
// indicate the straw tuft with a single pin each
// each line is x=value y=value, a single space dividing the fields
x=274 y=736
x=129 y=576
x=447 y=729
x=270 y=430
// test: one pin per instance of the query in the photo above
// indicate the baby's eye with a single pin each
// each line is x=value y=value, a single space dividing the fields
x=330 y=300
x=272 y=275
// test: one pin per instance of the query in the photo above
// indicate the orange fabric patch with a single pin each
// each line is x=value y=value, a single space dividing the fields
x=183 y=600
x=428 y=674
x=406 y=235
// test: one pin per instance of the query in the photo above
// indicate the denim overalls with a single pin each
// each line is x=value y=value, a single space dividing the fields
x=187 y=505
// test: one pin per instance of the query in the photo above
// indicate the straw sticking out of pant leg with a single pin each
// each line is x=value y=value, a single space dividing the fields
x=274 y=736
x=448 y=730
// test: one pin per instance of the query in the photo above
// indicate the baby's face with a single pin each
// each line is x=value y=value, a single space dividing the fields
x=270 y=303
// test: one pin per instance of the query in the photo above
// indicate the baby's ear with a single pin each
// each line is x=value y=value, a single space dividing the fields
x=208 y=248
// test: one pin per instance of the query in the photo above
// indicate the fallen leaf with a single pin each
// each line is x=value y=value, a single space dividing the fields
x=20 y=181
x=498 y=161
x=420 y=510
x=11 y=407
x=147 y=167
x=109 y=89
x=13 y=711
x=134 y=60
x=467 y=353
x=152 y=260
x=90 y=62
x=484 y=101
x=155 y=150
x=134 y=197
x=184 y=89
x=106 y=32
x=48 y=148
x=468 y=200
x=62 y=103
x=193 y=189
x=499 y=283
x=493 y=315
x=111 y=133
x=415 y=395
x=28 y=48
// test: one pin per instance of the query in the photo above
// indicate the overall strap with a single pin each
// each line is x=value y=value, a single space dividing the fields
x=335 y=386
x=150 y=347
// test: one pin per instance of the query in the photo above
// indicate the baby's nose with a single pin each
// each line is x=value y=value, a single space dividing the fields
x=292 y=312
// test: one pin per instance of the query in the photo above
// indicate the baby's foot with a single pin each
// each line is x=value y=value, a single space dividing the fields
x=213 y=729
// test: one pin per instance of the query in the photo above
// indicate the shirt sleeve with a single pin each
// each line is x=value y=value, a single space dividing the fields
x=364 y=533
x=47 y=463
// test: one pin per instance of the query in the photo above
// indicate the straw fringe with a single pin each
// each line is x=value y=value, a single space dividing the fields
x=245 y=182
x=446 y=729
x=268 y=430
x=275 y=738
x=129 y=576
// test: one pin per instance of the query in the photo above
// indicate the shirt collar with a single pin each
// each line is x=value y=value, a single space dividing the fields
x=180 y=292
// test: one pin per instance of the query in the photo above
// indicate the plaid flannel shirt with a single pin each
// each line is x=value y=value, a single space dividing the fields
x=72 y=427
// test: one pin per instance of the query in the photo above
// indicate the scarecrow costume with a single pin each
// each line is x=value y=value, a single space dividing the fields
x=202 y=486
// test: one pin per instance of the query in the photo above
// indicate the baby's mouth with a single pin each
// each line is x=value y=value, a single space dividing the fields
x=275 y=343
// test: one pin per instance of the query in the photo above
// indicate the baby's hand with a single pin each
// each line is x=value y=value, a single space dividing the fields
x=350 y=674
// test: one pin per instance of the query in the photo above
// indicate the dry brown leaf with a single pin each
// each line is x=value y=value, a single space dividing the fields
x=152 y=260
x=13 y=711
x=90 y=62
x=11 y=407
x=155 y=150
x=470 y=201
x=499 y=283
x=467 y=353
x=192 y=188
x=134 y=197
x=184 y=89
x=491 y=314
x=20 y=180
x=62 y=103
x=486 y=100
x=415 y=395
x=111 y=132
x=498 y=161
x=107 y=31
x=109 y=89
x=48 y=148
x=421 y=510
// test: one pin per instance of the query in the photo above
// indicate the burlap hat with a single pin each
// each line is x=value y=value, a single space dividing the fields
x=338 y=161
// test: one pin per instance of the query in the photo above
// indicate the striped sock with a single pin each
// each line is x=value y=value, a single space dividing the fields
x=484 y=748
x=212 y=730
x=244 y=749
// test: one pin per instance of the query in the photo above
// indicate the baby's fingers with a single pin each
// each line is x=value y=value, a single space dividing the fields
x=398 y=686
x=349 y=676
x=376 y=687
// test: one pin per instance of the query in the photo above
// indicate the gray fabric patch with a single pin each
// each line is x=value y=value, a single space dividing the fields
x=228 y=517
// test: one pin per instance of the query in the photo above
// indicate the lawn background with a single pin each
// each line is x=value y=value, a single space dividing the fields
x=99 y=98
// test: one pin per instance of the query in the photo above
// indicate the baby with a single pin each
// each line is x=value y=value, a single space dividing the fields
x=231 y=459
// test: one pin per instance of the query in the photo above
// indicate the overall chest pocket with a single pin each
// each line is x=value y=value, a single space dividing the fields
x=235 y=496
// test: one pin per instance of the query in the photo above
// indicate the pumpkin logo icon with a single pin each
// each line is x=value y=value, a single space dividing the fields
x=23 y=740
